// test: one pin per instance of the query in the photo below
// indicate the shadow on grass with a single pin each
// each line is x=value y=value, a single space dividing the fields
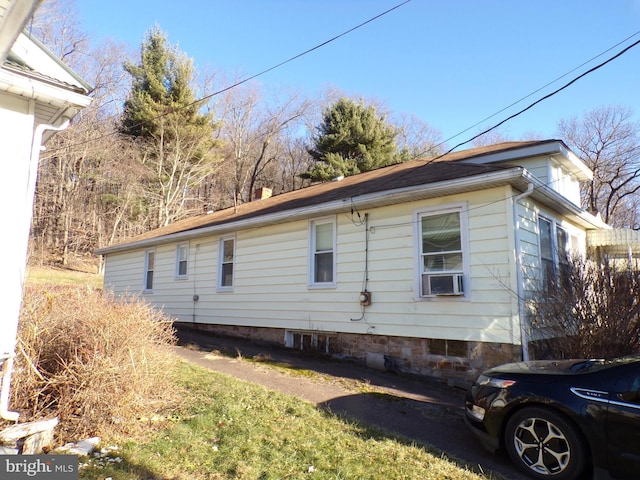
x=308 y=363
x=124 y=470
x=414 y=410
x=439 y=432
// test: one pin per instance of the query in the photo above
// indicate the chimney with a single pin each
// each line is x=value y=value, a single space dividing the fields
x=262 y=193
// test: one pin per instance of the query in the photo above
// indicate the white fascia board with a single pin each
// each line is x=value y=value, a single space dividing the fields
x=378 y=199
x=545 y=148
x=20 y=83
x=38 y=57
x=560 y=204
x=551 y=148
x=517 y=177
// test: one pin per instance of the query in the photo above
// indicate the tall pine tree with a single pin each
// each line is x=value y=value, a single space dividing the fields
x=175 y=138
x=351 y=139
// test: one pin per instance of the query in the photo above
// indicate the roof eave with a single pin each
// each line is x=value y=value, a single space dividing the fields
x=548 y=147
x=22 y=84
x=560 y=204
x=373 y=200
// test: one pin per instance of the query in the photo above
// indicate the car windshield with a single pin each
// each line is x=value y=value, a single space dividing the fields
x=598 y=363
x=585 y=365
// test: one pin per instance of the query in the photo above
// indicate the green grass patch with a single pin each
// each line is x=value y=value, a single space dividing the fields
x=230 y=429
x=59 y=276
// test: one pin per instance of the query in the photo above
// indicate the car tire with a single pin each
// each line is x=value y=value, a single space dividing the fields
x=545 y=445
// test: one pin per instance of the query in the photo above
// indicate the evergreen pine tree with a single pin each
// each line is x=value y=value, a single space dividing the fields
x=175 y=138
x=351 y=139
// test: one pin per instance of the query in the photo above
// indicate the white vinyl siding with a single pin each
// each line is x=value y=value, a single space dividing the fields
x=564 y=182
x=271 y=276
x=322 y=245
x=226 y=259
x=182 y=260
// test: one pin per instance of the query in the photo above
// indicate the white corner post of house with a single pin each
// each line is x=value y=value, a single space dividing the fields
x=522 y=314
x=16 y=199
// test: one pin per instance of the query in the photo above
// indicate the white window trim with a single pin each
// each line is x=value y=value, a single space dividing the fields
x=146 y=270
x=177 y=269
x=460 y=208
x=312 y=284
x=219 y=286
x=555 y=225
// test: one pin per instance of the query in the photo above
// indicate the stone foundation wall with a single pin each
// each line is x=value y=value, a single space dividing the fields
x=419 y=356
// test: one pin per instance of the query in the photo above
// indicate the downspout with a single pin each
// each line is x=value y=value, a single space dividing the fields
x=7 y=357
x=524 y=337
x=7 y=367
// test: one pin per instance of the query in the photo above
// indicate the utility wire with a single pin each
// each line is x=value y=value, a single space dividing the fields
x=252 y=77
x=622 y=52
x=539 y=89
x=298 y=55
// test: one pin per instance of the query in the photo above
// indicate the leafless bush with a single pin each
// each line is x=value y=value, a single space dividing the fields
x=593 y=311
x=97 y=363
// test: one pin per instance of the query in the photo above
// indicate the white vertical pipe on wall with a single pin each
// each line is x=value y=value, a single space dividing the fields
x=524 y=337
x=16 y=198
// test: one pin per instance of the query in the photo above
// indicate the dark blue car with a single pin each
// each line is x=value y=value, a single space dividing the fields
x=562 y=420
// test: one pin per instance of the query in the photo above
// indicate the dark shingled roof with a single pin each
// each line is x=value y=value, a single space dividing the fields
x=394 y=177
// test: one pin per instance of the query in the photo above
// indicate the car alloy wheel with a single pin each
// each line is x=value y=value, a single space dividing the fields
x=544 y=445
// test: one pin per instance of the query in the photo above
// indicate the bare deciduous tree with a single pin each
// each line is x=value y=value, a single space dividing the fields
x=608 y=140
x=593 y=311
x=55 y=24
x=255 y=132
x=417 y=137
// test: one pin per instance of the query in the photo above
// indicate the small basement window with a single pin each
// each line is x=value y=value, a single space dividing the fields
x=308 y=341
x=448 y=348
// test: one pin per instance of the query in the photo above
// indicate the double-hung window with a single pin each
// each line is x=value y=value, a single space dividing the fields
x=554 y=255
x=149 y=265
x=322 y=238
x=226 y=255
x=182 y=259
x=442 y=243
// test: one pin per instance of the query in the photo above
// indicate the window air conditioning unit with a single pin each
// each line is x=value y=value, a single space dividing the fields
x=442 y=284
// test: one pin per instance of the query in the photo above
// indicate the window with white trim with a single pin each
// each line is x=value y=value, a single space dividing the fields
x=554 y=251
x=322 y=262
x=226 y=255
x=149 y=265
x=182 y=260
x=442 y=244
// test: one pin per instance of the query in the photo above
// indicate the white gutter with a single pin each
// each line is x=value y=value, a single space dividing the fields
x=524 y=337
x=22 y=230
x=21 y=83
x=378 y=199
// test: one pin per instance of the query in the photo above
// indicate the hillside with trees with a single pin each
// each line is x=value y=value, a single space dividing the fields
x=162 y=141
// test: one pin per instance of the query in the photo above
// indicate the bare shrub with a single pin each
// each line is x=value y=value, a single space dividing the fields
x=97 y=363
x=593 y=311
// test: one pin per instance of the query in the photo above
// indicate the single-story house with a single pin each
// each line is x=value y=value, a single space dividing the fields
x=423 y=266
x=39 y=95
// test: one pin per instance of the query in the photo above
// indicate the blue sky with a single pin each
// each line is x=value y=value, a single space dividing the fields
x=451 y=63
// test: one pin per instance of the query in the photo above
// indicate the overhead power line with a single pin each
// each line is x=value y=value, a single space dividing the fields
x=263 y=72
x=295 y=57
x=541 y=88
x=528 y=107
